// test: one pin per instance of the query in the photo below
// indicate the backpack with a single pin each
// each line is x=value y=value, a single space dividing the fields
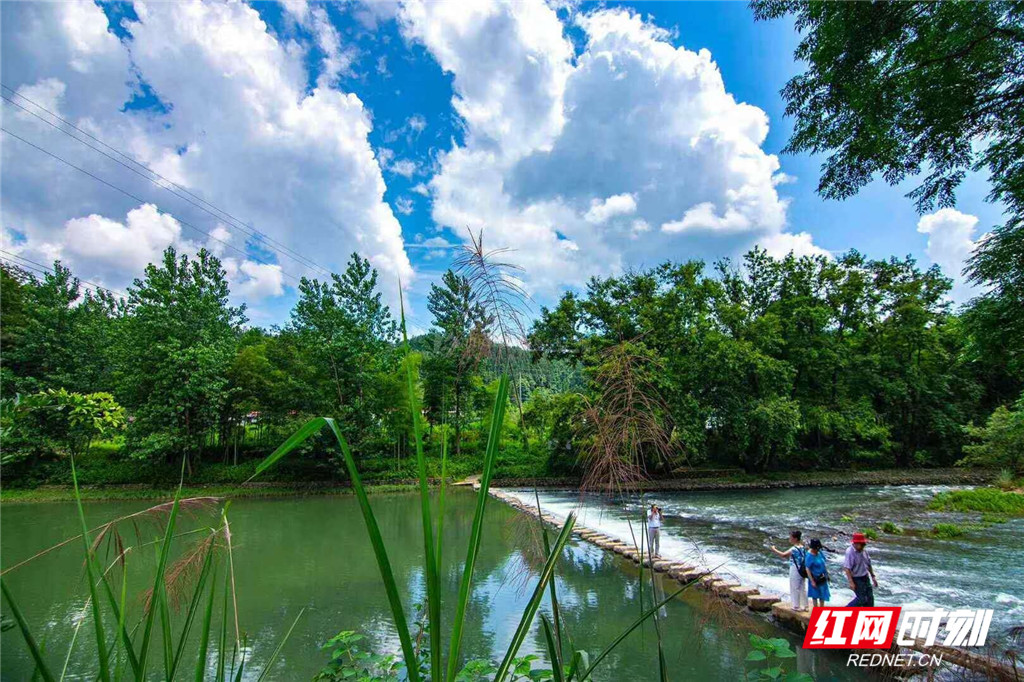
x=799 y=559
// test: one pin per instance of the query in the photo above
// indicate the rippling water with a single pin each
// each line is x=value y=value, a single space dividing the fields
x=733 y=530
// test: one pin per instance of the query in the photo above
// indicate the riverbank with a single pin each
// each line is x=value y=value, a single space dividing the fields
x=802 y=479
x=139 y=492
x=786 y=479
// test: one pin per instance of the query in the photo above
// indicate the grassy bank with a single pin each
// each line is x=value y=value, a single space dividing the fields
x=986 y=500
x=136 y=492
x=786 y=479
x=53 y=493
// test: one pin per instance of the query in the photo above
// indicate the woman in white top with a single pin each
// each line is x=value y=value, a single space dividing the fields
x=797 y=582
x=654 y=517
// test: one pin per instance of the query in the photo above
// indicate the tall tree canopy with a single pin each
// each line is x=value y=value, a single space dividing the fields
x=897 y=89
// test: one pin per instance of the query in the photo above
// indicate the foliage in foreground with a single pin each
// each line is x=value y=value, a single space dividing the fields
x=769 y=657
x=133 y=651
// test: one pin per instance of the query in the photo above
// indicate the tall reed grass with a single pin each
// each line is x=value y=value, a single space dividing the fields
x=136 y=650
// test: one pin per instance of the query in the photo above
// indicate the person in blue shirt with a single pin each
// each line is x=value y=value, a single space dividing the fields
x=817 y=574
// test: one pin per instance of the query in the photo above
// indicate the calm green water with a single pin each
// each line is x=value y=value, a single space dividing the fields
x=313 y=553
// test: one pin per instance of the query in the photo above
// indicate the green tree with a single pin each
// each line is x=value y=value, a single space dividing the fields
x=461 y=324
x=349 y=336
x=1000 y=442
x=177 y=345
x=897 y=89
x=55 y=334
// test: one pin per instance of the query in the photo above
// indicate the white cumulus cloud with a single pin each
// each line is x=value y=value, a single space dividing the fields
x=557 y=146
x=240 y=126
x=950 y=243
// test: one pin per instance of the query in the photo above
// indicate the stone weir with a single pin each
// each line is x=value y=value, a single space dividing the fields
x=745 y=597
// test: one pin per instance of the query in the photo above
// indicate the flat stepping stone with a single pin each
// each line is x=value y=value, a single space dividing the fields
x=722 y=587
x=708 y=579
x=685 y=575
x=790 y=617
x=762 y=602
x=741 y=594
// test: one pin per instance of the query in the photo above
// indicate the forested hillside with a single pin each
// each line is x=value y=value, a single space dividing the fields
x=766 y=364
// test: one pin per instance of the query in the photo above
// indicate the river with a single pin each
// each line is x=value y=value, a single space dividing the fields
x=312 y=552
x=732 y=530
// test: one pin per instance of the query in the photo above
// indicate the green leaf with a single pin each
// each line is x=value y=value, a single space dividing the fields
x=430 y=562
x=546 y=574
x=277 y=651
x=372 y=529
x=553 y=653
x=204 y=634
x=91 y=571
x=756 y=656
x=30 y=641
x=490 y=455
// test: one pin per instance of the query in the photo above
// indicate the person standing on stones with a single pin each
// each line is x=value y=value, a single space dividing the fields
x=797 y=571
x=817 y=573
x=654 y=518
x=859 y=572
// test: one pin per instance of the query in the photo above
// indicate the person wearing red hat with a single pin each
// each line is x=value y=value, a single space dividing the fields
x=859 y=572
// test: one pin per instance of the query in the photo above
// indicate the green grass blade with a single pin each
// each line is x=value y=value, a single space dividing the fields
x=553 y=653
x=441 y=495
x=91 y=570
x=625 y=633
x=158 y=585
x=538 y=595
x=490 y=455
x=580 y=662
x=30 y=641
x=36 y=674
x=241 y=664
x=277 y=651
x=383 y=563
x=204 y=635
x=308 y=429
x=190 y=614
x=222 y=645
x=554 y=591
x=120 y=615
x=430 y=561
x=165 y=631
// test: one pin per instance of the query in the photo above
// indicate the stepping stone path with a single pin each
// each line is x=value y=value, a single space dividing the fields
x=743 y=596
x=683 y=572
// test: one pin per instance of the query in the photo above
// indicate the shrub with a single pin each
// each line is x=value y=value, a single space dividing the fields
x=869 y=533
x=947 y=531
x=979 y=500
x=891 y=528
x=1004 y=481
x=1000 y=442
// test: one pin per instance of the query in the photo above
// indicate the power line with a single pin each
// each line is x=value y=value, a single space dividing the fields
x=39 y=267
x=143 y=201
x=195 y=200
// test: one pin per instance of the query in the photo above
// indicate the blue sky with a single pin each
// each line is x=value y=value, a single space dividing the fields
x=588 y=138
